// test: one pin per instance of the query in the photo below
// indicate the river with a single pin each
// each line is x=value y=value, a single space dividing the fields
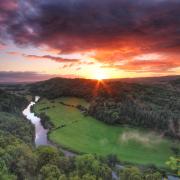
x=41 y=134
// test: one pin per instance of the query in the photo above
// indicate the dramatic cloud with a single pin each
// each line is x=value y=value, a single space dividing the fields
x=8 y=10
x=158 y=66
x=116 y=30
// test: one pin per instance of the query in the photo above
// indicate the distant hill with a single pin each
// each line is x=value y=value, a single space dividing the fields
x=149 y=80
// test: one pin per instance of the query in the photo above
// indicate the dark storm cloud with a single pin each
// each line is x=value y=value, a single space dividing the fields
x=7 y=10
x=82 y=25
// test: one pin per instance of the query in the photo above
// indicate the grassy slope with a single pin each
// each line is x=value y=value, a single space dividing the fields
x=86 y=134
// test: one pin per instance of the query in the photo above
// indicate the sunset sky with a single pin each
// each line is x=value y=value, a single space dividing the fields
x=40 y=39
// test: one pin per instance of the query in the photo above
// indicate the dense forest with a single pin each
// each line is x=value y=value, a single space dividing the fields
x=153 y=106
x=19 y=159
x=11 y=119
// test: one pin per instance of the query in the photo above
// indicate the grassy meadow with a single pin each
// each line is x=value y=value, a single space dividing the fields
x=88 y=135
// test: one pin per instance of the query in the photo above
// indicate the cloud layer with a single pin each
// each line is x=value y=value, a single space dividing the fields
x=116 y=30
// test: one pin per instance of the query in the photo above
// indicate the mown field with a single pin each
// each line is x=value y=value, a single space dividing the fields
x=87 y=135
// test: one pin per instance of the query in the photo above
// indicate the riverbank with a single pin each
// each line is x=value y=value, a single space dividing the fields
x=41 y=133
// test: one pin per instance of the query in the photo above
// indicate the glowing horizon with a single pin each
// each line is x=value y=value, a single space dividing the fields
x=94 y=40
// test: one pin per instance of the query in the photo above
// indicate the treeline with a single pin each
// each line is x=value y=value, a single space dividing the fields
x=136 y=114
x=45 y=121
x=58 y=87
x=155 y=107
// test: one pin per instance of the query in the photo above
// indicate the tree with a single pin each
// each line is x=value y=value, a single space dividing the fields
x=131 y=173
x=88 y=177
x=75 y=177
x=62 y=177
x=174 y=164
x=115 y=116
x=88 y=164
x=23 y=162
x=49 y=172
x=45 y=120
x=4 y=174
x=153 y=176
x=47 y=155
x=66 y=164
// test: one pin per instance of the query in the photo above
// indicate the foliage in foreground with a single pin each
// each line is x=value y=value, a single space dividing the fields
x=174 y=164
x=19 y=161
x=133 y=173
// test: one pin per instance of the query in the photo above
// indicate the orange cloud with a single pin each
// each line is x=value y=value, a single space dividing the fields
x=147 y=65
x=118 y=32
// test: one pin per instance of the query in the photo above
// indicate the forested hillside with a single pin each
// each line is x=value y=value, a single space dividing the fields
x=11 y=119
x=145 y=106
x=11 y=103
x=15 y=134
x=149 y=106
x=20 y=162
x=58 y=87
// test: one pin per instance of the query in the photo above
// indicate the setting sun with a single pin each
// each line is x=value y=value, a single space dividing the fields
x=99 y=77
x=99 y=74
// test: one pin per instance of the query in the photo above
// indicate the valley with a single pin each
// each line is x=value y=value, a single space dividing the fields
x=85 y=134
x=95 y=130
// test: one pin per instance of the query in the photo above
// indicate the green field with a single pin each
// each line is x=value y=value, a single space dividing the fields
x=87 y=135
